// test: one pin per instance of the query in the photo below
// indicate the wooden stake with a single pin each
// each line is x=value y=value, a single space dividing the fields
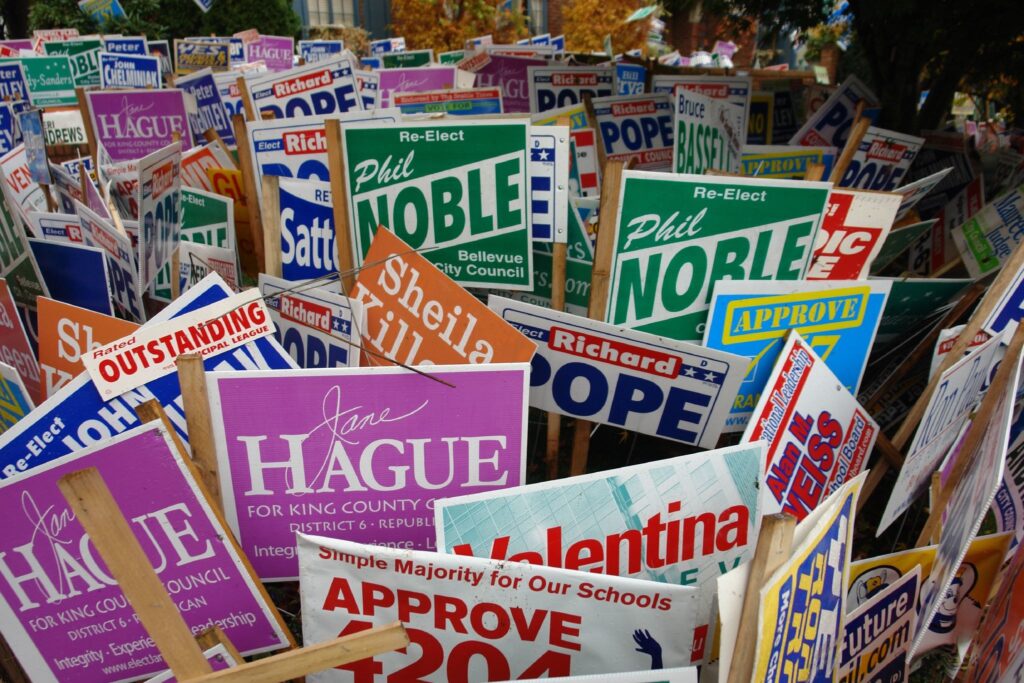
x=152 y=410
x=90 y=134
x=211 y=135
x=600 y=276
x=176 y=273
x=192 y=379
x=252 y=204
x=98 y=513
x=849 y=150
x=243 y=90
x=602 y=154
x=213 y=637
x=270 y=210
x=975 y=435
x=319 y=657
x=814 y=171
x=339 y=199
x=774 y=543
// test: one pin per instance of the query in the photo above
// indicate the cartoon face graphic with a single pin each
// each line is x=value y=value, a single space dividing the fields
x=868 y=584
x=960 y=588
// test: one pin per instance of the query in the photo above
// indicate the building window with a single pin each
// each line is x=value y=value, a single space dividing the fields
x=330 y=12
x=538 y=16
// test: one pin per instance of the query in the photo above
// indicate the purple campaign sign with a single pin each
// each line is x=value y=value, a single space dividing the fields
x=511 y=74
x=133 y=123
x=277 y=52
x=360 y=453
x=66 y=618
x=414 y=79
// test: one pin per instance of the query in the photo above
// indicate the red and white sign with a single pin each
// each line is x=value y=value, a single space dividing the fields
x=852 y=233
x=475 y=619
x=150 y=353
x=14 y=346
x=818 y=436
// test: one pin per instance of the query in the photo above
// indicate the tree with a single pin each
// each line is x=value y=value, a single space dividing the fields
x=587 y=22
x=447 y=24
x=270 y=17
x=908 y=46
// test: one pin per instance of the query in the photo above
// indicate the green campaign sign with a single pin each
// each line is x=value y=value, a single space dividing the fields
x=84 y=55
x=206 y=218
x=678 y=234
x=398 y=60
x=457 y=191
x=49 y=79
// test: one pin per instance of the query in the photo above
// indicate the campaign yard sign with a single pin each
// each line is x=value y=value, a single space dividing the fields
x=149 y=353
x=125 y=293
x=368 y=84
x=83 y=55
x=318 y=328
x=472 y=101
x=210 y=111
x=416 y=79
x=297 y=147
x=196 y=161
x=685 y=520
x=996 y=654
x=16 y=263
x=505 y=620
x=15 y=403
x=159 y=210
x=207 y=219
x=636 y=127
x=839 y=319
x=882 y=159
x=816 y=435
x=557 y=86
x=74 y=273
x=456 y=190
x=830 y=125
x=633 y=380
x=378 y=446
x=76 y=416
x=13 y=86
x=193 y=55
x=319 y=50
x=988 y=238
x=877 y=633
x=967 y=506
x=277 y=52
x=957 y=620
x=325 y=87
x=407 y=59
x=306 y=223
x=507 y=72
x=678 y=234
x=15 y=349
x=548 y=172
x=130 y=124
x=49 y=80
x=958 y=391
x=129 y=71
x=800 y=615
x=66 y=618
x=780 y=161
x=707 y=133
x=913 y=192
x=66 y=332
x=417 y=315
x=856 y=225
x=126 y=45
x=196 y=261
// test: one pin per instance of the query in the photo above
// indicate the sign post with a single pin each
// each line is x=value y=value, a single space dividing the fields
x=339 y=195
x=599 y=279
x=192 y=378
x=245 y=164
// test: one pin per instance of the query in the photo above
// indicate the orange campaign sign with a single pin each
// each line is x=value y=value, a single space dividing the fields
x=417 y=315
x=68 y=332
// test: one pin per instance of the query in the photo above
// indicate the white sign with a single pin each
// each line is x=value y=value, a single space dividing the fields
x=159 y=193
x=324 y=87
x=474 y=619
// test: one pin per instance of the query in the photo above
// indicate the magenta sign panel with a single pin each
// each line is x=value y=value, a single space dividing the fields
x=360 y=454
x=66 y=618
x=132 y=124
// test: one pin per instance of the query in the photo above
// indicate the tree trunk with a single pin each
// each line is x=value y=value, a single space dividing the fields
x=15 y=16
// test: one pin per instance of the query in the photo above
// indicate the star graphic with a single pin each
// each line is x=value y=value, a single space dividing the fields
x=710 y=376
x=544 y=155
x=690 y=372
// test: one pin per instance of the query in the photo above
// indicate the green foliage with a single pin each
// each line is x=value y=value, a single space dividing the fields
x=60 y=14
x=271 y=17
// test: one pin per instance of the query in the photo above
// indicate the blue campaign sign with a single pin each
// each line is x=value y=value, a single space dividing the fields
x=542 y=39
x=379 y=47
x=12 y=81
x=76 y=416
x=370 y=62
x=319 y=50
x=129 y=71
x=838 y=319
x=8 y=139
x=549 y=183
x=126 y=45
x=558 y=42
x=31 y=124
x=636 y=127
x=210 y=110
x=327 y=87
x=629 y=79
x=831 y=123
x=307 y=229
x=74 y=273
